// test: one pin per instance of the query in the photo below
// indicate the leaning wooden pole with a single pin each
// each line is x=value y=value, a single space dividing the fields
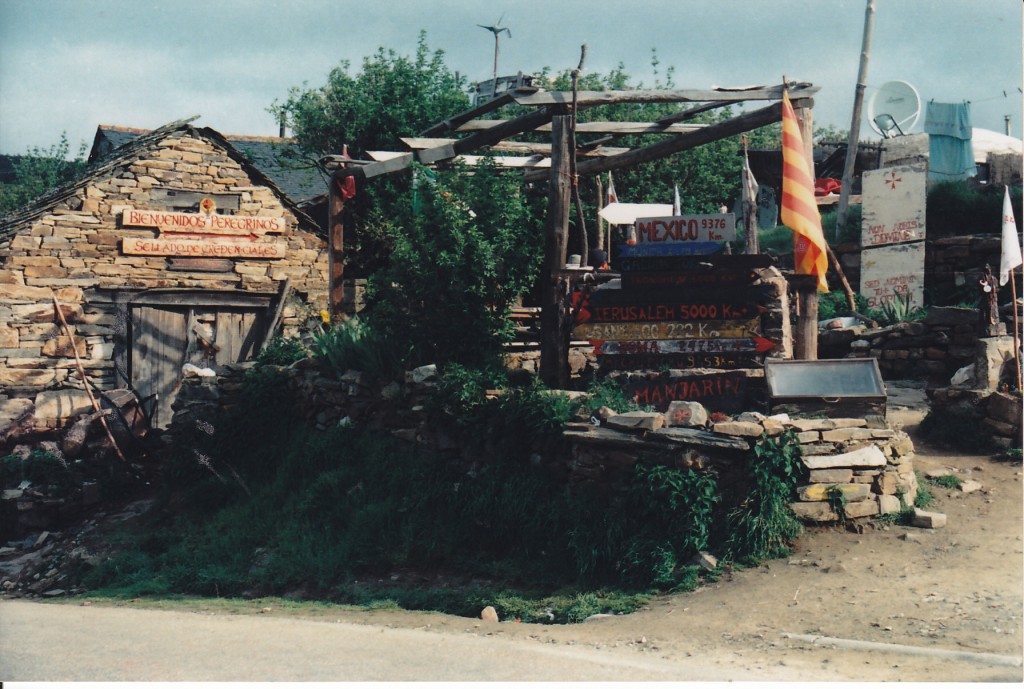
x=851 y=142
x=554 y=352
x=85 y=380
x=1016 y=328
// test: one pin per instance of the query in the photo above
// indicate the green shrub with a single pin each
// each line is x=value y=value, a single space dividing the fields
x=47 y=472
x=469 y=252
x=954 y=430
x=898 y=310
x=763 y=526
x=354 y=345
x=834 y=304
x=282 y=351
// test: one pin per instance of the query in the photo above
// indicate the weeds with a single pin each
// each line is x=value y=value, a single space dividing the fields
x=763 y=526
x=949 y=481
x=837 y=501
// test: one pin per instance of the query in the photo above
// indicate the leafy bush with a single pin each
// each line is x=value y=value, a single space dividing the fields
x=282 y=351
x=353 y=344
x=763 y=526
x=457 y=268
x=958 y=208
x=834 y=304
x=46 y=471
x=954 y=430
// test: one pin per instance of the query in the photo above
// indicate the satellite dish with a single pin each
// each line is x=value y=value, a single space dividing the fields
x=894 y=109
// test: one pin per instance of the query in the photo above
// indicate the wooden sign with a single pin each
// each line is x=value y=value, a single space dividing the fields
x=893 y=205
x=201 y=265
x=679 y=295
x=706 y=278
x=686 y=229
x=634 y=362
x=688 y=249
x=888 y=271
x=203 y=223
x=667 y=330
x=137 y=246
x=755 y=344
x=724 y=392
x=649 y=310
x=693 y=264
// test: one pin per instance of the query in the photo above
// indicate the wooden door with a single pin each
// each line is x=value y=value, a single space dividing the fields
x=165 y=337
x=158 y=352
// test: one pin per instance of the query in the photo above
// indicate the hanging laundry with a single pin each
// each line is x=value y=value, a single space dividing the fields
x=950 y=155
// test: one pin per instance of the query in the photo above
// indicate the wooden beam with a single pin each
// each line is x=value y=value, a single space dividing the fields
x=662 y=96
x=452 y=122
x=522 y=147
x=623 y=128
x=491 y=136
x=682 y=142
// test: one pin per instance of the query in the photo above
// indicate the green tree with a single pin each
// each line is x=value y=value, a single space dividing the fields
x=391 y=96
x=39 y=171
x=456 y=269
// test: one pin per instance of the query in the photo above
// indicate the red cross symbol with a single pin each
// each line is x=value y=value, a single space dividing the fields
x=891 y=179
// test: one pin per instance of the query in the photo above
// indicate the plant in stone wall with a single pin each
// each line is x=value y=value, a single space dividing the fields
x=762 y=526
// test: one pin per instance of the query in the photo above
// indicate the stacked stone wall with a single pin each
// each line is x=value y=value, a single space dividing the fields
x=871 y=462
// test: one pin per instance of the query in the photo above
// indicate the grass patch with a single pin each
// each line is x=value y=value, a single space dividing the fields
x=265 y=506
x=949 y=481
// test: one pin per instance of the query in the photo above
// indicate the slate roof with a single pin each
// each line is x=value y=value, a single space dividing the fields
x=278 y=158
x=132 y=149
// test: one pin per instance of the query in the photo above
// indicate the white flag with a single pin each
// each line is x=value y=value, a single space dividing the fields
x=1010 y=257
x=676 y=210
x=612 y=196
x=749 y=193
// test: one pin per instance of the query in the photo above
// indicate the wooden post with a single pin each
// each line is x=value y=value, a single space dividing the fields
x=806 y=331
x=599 y=206
x=336 y=248
x=554 y=321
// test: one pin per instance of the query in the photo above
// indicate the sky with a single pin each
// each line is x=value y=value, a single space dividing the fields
x=67 y=66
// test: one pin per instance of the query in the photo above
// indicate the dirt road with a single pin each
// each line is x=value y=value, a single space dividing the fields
x=954 y=592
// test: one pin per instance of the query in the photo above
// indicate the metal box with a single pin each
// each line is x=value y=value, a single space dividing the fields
x=838 y=388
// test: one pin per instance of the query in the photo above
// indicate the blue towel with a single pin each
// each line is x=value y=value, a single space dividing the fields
x=950 y=155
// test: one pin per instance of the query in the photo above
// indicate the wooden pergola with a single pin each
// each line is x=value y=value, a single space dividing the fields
x=559 y=162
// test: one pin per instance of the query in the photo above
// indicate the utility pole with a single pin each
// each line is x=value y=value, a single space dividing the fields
x=858 y=103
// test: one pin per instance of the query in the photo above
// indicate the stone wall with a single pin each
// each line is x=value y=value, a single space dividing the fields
x=871 y=462
x=953 y=266
x=71 y=250
x=932 y=349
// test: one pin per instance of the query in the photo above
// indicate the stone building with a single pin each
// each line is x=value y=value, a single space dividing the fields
x=172 y=249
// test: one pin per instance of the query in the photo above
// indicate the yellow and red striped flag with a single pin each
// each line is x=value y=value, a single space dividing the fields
x=799 y=209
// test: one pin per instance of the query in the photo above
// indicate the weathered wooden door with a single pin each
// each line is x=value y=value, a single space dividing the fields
x=166 y=336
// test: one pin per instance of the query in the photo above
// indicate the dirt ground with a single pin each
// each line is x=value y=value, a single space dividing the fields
x=955 y=592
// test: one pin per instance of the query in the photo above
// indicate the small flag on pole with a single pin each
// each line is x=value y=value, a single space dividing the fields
x=676 y=205
x=1011 y=257
x=612 y=196
x=749 y=193
x=799 y=209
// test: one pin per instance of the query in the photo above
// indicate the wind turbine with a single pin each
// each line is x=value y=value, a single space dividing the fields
x=497 y=30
